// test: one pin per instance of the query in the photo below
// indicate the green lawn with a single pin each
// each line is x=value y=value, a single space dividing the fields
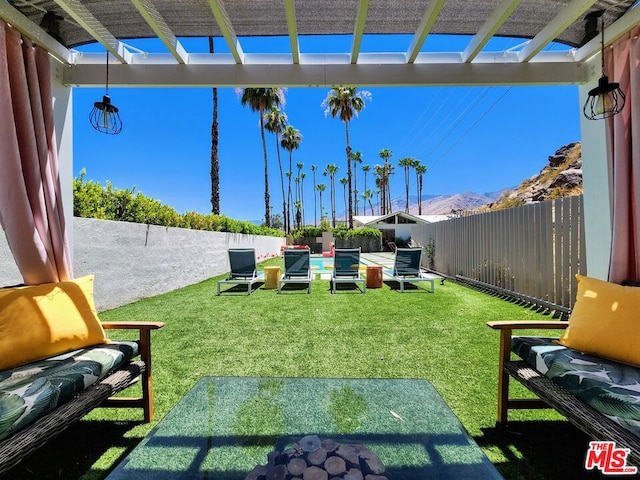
x=441 y=337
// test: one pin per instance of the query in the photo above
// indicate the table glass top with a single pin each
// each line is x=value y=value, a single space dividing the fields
x=225 y=426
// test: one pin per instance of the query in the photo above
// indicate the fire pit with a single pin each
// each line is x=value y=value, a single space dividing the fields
x=313 y=459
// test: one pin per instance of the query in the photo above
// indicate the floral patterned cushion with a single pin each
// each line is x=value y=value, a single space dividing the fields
x=31 y=390
x=610 y=387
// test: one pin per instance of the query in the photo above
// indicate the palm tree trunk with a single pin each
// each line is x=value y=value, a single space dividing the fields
x=289 y=190
x=346 y=130
x=284 y=200
x=406 y=184
x=215 y=161
x=420 y=197
x=267 y=208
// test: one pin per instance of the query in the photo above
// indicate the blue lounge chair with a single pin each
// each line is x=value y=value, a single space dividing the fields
x=242 y=269
x=346 y=268
x=406 y=268
x=297 y=268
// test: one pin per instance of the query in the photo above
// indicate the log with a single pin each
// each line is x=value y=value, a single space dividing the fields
x=370 y=462
x=296 y=466
x=317 y=457
x=350 y=454
x=278 y=472
x=335 y=465
x=329 y=445
x=315 y=473
x=354 y=474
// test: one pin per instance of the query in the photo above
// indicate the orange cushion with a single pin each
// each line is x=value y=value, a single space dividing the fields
x=44 y=320
x=605 y=320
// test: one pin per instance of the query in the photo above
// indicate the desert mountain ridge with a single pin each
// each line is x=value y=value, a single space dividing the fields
x=561 y=177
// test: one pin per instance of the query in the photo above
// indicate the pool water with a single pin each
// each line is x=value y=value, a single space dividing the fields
x=321 y=265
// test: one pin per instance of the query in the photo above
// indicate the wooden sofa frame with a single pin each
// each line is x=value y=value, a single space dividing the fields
x=551 y=395
x=22 y=443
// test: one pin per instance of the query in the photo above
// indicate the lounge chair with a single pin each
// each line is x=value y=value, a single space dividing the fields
x=406 y=268
x=242 y=269
x=346 y=268
x=297 y=268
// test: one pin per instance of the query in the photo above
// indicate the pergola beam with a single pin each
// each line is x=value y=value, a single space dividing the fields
x=358 y=31
x=561 y=22
x=36 y=33
x=290 y=11
x=92 y=25
x=153 y=18
x=224 y=23
x=500 y=15
x=426 y=24
x=305 y=75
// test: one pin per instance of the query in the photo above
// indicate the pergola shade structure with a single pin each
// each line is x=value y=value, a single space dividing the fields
x=111 y=23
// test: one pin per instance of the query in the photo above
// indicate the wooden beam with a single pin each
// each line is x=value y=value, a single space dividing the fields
x=224 y=23
x=153 y=18
x=426 y=24
x=290 y=10
x=93 y=27
x=358 y=30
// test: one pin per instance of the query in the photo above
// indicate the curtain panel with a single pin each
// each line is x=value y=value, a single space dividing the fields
x=31 y=210
x=623 y=137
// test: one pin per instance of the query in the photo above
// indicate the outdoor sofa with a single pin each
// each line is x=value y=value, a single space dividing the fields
x=591 y=374
x=57 y=364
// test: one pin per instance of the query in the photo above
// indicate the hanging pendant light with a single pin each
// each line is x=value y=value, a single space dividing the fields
x=105 y=117
x=607 y=99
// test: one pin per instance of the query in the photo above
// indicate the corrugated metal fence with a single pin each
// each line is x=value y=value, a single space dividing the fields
x=531 y=252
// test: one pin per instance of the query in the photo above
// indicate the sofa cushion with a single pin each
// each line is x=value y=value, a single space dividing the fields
x=40 y=321
x=29 y=391
x=612 y=388
x=605 y=320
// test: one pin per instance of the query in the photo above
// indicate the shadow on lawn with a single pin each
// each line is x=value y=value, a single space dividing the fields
x=554 y=450
x=72 y=454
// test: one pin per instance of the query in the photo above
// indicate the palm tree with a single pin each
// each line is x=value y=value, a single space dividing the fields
x=321 y=187
x=365 y=169
x=330 y=171
x=215 y=160
x=356 y=158
x=367 y=195
x=302 y=175
x=346 y=102
x=384 y=172
x=406 y=163
x=343 y=182
x=275 y=122
x=298 y=207
x=420 y=171
x=315 y=217
x=260 y=100
x=291 y=139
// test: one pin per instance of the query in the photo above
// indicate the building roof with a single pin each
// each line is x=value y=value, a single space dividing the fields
x=61 y=25
x=392 y=219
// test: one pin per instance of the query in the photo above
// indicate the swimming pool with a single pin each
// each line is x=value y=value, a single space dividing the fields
x=323 y=266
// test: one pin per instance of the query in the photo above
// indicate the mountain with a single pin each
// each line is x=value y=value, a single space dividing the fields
x=561 y=177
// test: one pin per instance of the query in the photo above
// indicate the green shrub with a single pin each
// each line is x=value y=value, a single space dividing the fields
x=92 y=200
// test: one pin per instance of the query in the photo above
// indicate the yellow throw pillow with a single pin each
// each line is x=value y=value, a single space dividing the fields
x=605 y=320
x=40 y=321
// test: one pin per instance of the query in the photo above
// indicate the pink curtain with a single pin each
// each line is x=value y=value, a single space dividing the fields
x=623 y=66
x=30 y=201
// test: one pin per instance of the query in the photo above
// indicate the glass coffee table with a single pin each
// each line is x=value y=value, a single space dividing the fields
x=225 y=426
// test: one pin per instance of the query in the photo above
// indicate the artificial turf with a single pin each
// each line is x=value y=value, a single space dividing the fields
x=441 y=337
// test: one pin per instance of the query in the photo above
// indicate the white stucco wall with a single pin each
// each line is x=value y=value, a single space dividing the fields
x=132 y=261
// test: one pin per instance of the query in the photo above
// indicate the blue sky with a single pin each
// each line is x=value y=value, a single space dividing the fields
x=470 y=138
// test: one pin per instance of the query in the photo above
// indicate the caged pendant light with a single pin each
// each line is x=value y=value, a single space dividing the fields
x=105 y=117
x=607 y=99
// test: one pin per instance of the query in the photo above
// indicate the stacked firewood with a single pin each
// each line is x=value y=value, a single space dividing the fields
x=315 y=459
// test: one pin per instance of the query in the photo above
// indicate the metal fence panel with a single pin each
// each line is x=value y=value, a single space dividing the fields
x=531 y=252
